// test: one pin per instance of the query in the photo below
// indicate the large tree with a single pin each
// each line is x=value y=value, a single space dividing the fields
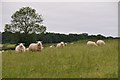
x=26 y=21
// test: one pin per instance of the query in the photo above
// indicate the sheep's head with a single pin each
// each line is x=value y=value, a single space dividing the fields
x=21 y=45
x=39 y=43
x=62 y=43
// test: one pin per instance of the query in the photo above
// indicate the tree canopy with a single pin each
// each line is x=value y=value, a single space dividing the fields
x=26 y=20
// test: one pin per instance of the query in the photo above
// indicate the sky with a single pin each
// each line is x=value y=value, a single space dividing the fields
x=70 y=17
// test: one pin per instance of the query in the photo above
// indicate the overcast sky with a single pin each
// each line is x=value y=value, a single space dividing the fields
x=71 y=17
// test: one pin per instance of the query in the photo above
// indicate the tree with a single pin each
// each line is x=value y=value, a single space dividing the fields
x=26 y=21
x=99 y=36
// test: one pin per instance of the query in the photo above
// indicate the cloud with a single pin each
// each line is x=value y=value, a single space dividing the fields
x=77 y=17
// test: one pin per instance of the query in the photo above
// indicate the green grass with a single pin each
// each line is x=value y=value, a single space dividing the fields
x=72 y=61
x=0 y=65
x=7 y=46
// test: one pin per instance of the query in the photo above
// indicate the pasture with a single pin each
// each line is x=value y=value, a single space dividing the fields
x=73 y=61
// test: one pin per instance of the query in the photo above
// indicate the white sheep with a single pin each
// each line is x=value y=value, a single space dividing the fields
x=65 y=44
x=100 y=42
x=51 y=46
x=58 y=45
x=42 y=48
x=27 y=49
x=2 y=51
x=36 y=46
x=61 y=44
x=20 y=48
x=91 y=43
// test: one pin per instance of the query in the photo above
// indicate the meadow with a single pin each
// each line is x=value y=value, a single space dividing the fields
x=73 y=61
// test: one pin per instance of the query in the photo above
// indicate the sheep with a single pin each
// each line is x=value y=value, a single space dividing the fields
x=100 y=42
x=42 y=48
x=65 y=44
x=20 y=48
x=91 y=43
x=58 y=45
x=51 y=46
x=2 y=51
x=61 y=44
x=36 y=46
x=27 y=49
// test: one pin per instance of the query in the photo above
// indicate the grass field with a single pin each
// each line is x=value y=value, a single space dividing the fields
x=73 y=61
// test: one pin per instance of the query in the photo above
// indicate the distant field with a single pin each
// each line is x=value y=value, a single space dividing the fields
x=0 y=65
x=73 y=61
x=7 y=46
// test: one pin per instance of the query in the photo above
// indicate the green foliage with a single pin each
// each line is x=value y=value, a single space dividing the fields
x=8 y=46
x=26 y=20
x=8 y=37
x=73 y=61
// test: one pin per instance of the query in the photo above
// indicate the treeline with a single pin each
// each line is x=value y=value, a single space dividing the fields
x=14 y=38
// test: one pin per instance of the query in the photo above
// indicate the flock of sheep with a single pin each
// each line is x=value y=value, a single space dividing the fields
x=38 y=46
x=99 y=42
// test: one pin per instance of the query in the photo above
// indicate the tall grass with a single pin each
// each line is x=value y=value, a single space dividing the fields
x=0 y=65
x=73 y=61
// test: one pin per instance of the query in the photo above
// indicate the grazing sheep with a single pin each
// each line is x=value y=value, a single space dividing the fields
x=27 y=49
x=36 y=46
x=58 y=45
x=2 y=51
x=91 y=43
x=61 y=44
x=20 y=48
x=100 y=42
x=51 y=46
x=42 y=48
x=65 y=44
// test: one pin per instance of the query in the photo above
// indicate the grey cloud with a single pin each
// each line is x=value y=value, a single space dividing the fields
x=77 y=17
